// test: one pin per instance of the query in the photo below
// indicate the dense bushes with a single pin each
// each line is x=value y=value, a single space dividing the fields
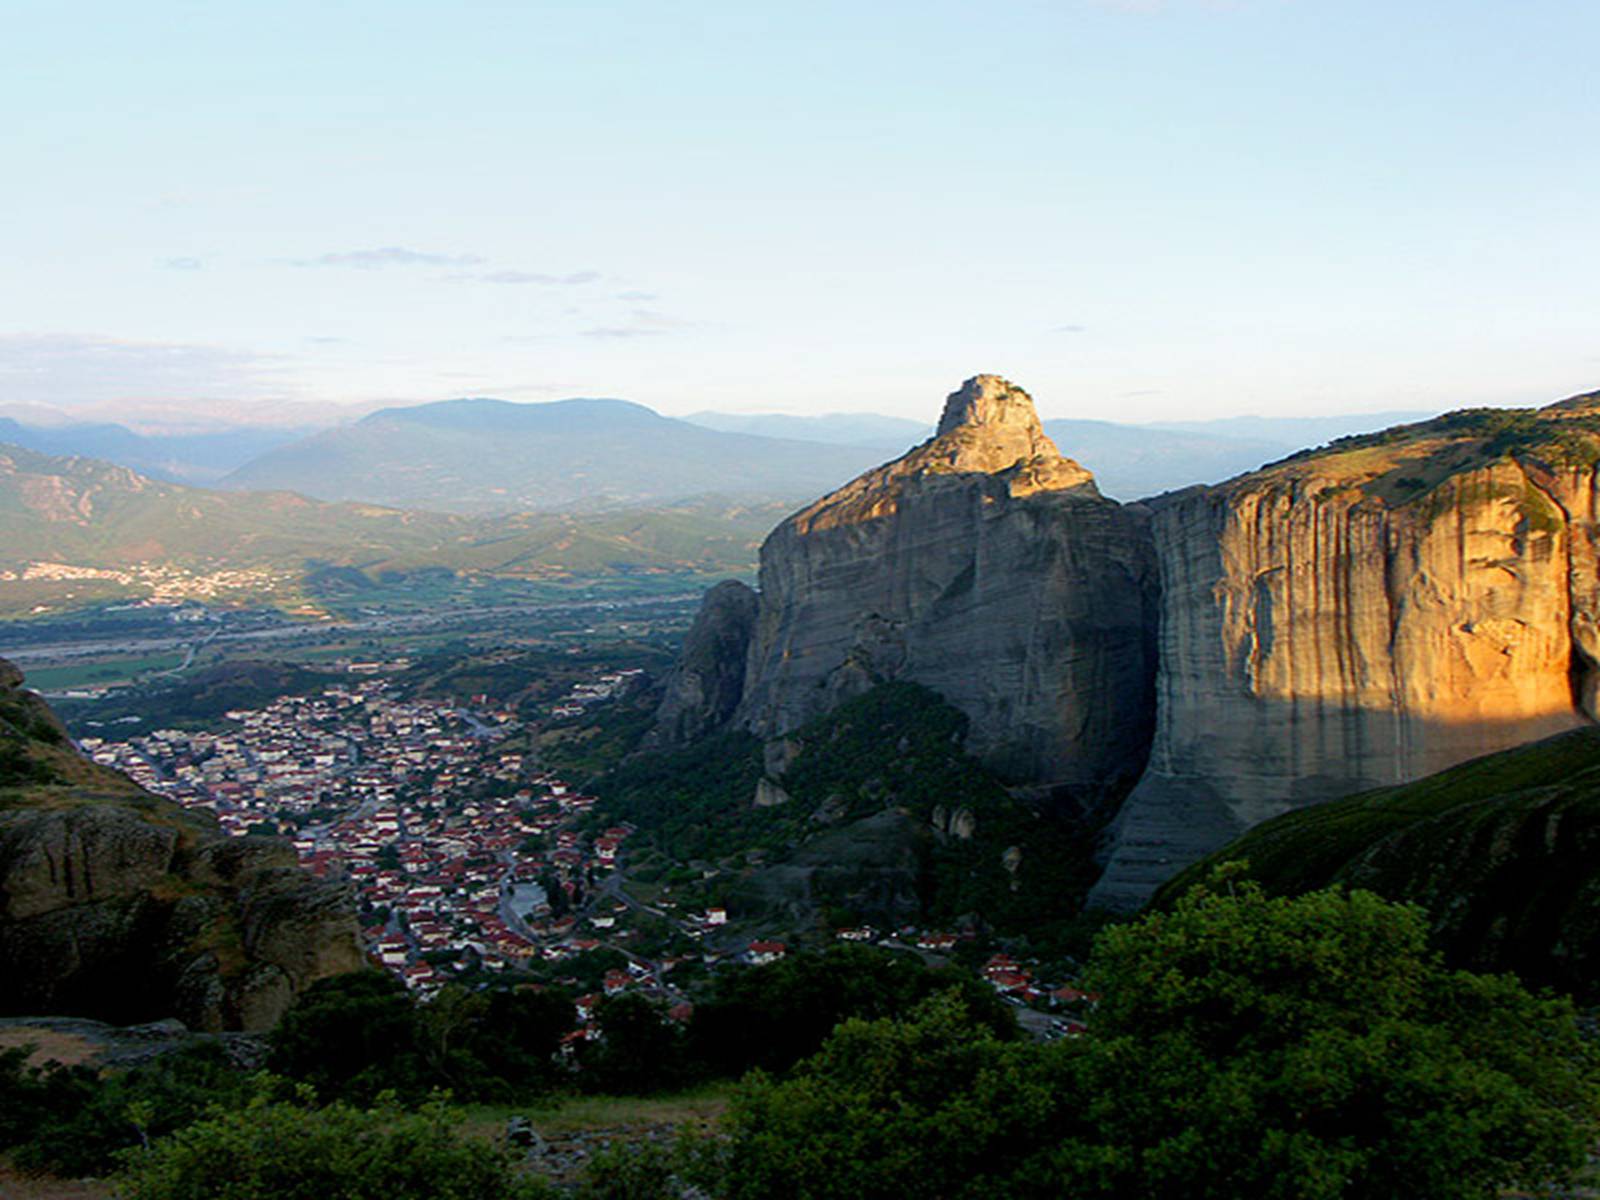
x=71 y=1121
x=277 y=1149
x=354 y=1036
x=771 y=1017
x=1290 y=1049
x=1306 y=1049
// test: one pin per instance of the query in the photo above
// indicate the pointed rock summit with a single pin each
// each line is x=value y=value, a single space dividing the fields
x=997 y=411
x=987 y=567
x=990 y=425
x=989 y=428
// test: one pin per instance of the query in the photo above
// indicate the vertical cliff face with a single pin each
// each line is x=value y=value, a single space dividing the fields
x=987 y=567
x=1360 y=617
x=705 y=687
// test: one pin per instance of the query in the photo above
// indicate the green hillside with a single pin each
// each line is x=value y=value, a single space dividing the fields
x=882 y=816
x=83 y=530
x=1503 y=852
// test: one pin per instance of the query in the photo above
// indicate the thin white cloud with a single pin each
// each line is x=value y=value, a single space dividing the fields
x=1070 y=329
x=78 y=370
x=513 y=277
x=388 y=256
x=641 y=323
x=184 y=263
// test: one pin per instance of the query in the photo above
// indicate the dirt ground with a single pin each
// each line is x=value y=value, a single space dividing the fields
x=22 y=1187
x=68 y=1049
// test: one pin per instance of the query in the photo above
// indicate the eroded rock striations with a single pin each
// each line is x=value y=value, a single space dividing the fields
x=987 y=567
x=1363 y=616
x=122 y=906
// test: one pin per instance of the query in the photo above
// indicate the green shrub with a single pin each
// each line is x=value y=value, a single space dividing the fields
x=291 y=1150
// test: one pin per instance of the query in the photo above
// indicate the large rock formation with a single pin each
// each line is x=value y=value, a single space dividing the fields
x=119 y=905
x=706 y=685
x=987 y=567
x=1362 y=616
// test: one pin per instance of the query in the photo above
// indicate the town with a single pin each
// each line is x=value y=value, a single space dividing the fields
x=466 y=857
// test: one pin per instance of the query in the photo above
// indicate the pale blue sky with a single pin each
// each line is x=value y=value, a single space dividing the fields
x=1136 y=210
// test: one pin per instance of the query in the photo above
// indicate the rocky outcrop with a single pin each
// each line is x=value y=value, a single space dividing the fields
x=121 y=906
x=705 y=687
x=1360 y=617
x=982 y=565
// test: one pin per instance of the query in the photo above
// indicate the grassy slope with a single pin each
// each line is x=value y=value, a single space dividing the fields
x=1503 y=851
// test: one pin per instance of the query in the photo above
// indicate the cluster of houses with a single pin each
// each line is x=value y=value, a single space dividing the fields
x=585 y=694
x=444 y=834
x=304 y=755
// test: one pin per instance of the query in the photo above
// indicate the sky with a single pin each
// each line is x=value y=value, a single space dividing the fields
x=1139 y=210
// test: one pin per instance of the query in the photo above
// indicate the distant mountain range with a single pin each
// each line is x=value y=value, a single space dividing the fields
x=894 y=434
x=101 y=531
x=488 y=456
x=181 y=458
x=1128 y=461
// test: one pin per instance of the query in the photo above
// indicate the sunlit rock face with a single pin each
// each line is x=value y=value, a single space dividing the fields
x=1363 y=616
x=986 y=566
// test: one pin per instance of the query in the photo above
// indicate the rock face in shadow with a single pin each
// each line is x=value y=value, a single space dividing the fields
x=982 y=565
x=706 y=685
x=121 y=906
x=1360 y=617
x=1502 y=851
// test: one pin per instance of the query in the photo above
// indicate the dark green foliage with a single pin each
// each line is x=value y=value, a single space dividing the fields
x=18 y=768
x=520 y=1032
x=639 y=1050
x=1501 y=852
x=25 y=727
x=1315 y=1047
x=694 y=802
x=1305 y=1049
x=772 y=1016
x=290 y=1150
x=931 y=1106
x=554 y=894
x=600 y=741
x=896 y=748
x=357 y=1035
x=350 y=1036
x=899 y=745
x=631 y=1172
x=71 y=1121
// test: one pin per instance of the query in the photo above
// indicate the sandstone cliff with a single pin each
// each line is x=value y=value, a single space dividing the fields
x=987 y=567
x=1362 y=616
x=118 y=905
